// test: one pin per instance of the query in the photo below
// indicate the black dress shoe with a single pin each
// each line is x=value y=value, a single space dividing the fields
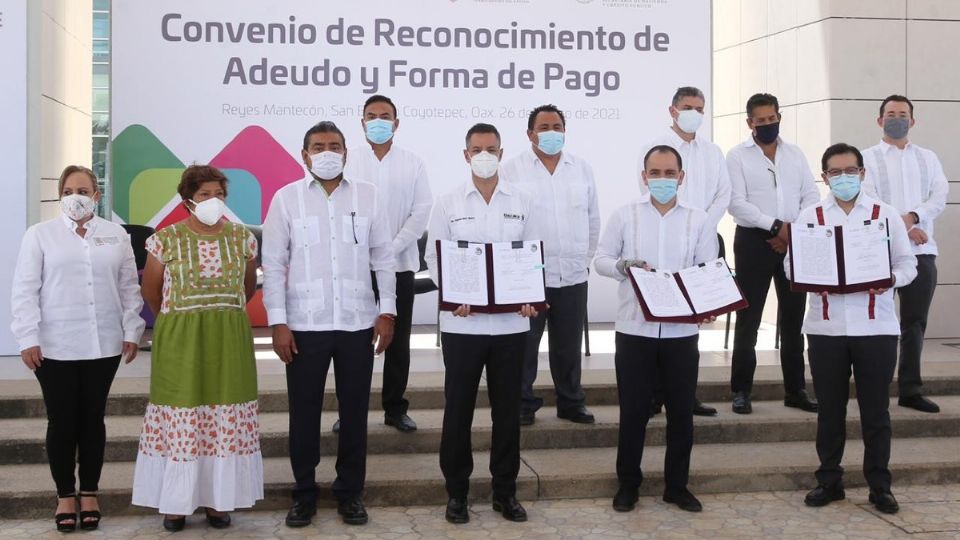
x=509 y=508
x=218 y=522
x=352 y=511
x=336 y=426
x=800 y=400
x=579 y=415
x=626 y=499
x=174 y=525
x=823 y=495
x=527 y=418
x=884 y=501
x=741 y=403
x=919 y=403
x=402 y=422
x=684 y=499
x=457 y=511
x=301 y=514
x=699 y=409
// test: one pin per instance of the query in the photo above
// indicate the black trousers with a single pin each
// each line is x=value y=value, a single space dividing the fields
x=396 y=360
x=75 y=395
x=756 y=265
x=465 y=356
x=640 y=363
x=565 y=319
x=872 y=360
x=915 y=301
x=352 y=356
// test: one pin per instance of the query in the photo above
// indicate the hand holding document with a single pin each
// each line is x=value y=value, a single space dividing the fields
x=689 y=296
x=501 y=277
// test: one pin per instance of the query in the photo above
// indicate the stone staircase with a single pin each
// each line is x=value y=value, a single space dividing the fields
x=772 y=449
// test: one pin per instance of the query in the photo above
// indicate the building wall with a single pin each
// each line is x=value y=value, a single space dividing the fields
x=62 y=69
x=831 y=63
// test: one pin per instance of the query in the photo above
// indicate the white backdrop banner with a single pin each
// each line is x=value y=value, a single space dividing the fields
x=13 y=151
x=236 y=83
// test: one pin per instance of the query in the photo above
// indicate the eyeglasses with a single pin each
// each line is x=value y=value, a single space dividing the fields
x=852 y=171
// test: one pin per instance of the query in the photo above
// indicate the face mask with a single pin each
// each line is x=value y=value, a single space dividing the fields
x=379 y=131
x=209 y=211
x=689 y=121
x=550 y=142
x=663 y=189
x=77 y=207
x=768 y=133
x=326 y=165
x=896 y=128
x=845 y=187
x=484 y=165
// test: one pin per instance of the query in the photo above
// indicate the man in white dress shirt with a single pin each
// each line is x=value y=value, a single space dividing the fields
x=770 y=183
x=854 y=332
x=401 y=180
x=655 y=232
x=486 y=210
x=322 y=237
x=565 y=199
x=706 y=184
x=910 y=179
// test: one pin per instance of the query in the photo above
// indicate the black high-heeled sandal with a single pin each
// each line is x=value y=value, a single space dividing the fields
x=62 y=518
x=92 y=515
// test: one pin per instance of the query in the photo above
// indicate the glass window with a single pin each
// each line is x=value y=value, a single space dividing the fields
x=101 y=50
x=101 y=100
x=101 y=123
x=101 y=25
x=101 y=5
x=99 y=157
x=101 y=75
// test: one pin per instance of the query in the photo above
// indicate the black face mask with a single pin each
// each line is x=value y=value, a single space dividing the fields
x=768 y=133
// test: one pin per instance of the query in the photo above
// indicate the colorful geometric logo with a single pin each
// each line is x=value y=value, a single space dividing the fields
x=146 y=174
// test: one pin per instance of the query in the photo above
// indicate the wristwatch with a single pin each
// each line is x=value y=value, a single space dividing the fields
x=916 y=218
x=775 y=229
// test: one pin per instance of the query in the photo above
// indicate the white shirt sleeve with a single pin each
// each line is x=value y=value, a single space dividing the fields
x=383 y=260
x=416 y=222
x=276 y=260
x=706 y=249
x=593 y=210
x=610 y=249
x=25 y=292
x=721 y=199
x=931 y=208
x=903 y=262
x=131 y=300
x=809 y=194
x=740 y=207
x=439 y=230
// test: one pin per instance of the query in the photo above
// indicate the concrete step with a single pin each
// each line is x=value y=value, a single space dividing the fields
x=22 y=440
x=392 y=479
x=22 y=399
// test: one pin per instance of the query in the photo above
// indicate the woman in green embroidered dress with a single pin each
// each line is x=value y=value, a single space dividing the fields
x=200 y=442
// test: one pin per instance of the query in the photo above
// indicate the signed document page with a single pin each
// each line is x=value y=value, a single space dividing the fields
x=463 y=273
x=661 y=293
x=866 y=252
x=813 y=252
x=710 y=286
x=518 y=273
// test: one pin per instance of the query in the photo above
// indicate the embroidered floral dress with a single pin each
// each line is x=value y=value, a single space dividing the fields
x=200 y=442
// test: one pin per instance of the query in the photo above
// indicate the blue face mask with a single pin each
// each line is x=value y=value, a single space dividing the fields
x=845 y=187
x=379 y=131
x=663 y=189
x=550 y=142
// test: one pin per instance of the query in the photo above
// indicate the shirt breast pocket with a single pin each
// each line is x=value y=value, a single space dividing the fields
x=306 y=231
x=356 y=230
x=464 y=229
x=513 y=229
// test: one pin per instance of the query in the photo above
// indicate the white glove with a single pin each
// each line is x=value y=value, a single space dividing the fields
x=624 y=264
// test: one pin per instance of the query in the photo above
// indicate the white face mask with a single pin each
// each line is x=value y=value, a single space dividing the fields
x=484 y=165
x=326 y=165
x=209 y=211
x=689 y=121
x=77 y=207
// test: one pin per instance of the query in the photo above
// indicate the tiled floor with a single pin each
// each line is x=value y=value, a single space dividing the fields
x=926 y=513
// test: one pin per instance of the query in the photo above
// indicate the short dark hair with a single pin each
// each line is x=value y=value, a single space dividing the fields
x=687 y=91
x=481 y=128
x=548 y=108
x=70 y=169
x=840 y=149
x=325 y=126
x=196 y=175
x=663 y=149
x=896 y=97
x=379 y=99
x=761 y=100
